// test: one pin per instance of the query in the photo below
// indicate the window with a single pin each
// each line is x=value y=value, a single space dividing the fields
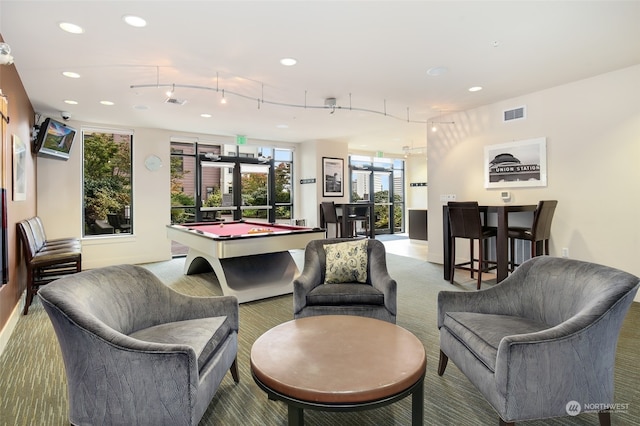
x=107 y=183
x=380 y=180
x=283 y=184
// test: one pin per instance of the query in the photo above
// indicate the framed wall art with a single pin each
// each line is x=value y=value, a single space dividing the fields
x=516 y=164
x=333 y=177
x=19 y=169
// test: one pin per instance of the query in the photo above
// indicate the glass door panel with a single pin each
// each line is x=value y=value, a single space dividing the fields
x=398 y=201
x=183 y=182
x=255 y=191
x=217 y=191
x=360 y=185
x=382 y=187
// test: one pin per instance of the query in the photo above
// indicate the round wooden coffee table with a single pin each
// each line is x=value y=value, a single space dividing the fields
x=339 y=363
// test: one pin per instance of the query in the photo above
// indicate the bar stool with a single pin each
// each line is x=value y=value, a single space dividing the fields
x=331 y=216
x=465 y=222
x=360 y=214
x=540 y=231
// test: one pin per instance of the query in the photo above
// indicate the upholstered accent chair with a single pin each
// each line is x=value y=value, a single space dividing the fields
x=136 y=351
x=542 y=338
x=369 y=290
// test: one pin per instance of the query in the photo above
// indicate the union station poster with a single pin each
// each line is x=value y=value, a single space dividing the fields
x=516 y=164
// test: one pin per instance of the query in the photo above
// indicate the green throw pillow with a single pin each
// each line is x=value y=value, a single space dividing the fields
x=346 y=262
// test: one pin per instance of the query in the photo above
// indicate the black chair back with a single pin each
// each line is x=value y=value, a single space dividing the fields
x=464 y=219
x=329 y=212
x=542 y=220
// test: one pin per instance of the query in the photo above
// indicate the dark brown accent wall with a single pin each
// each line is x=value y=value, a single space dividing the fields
x=21 y=120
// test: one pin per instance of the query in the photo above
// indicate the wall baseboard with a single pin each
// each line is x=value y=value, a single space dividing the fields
x=7 y=330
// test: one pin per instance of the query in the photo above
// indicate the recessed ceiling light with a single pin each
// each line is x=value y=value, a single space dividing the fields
x=71 y=28
x=71 y=74
x=108 y=103
x=134 y=21
x=282 y=126
x=288 y=62
x=205 y=115
x=475 y=88
x=141 y=107
x=436 y=71
x=70 y=102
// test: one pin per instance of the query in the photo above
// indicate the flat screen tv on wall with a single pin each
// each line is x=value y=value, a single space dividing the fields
x=54 y=139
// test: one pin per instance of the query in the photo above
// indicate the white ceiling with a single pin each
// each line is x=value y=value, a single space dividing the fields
x=369 y=55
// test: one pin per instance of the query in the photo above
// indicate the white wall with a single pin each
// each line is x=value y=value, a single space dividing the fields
x=59 y=198
x=310 y=166
x=592 y=128
x=60 y=203
x=416 y=171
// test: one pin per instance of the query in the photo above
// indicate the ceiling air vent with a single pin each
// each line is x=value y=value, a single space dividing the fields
x=514 y=114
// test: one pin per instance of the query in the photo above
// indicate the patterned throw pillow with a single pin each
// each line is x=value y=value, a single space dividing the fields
x=346 y=262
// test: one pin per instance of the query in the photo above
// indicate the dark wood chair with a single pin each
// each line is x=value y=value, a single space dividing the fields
x=465 y=222
x=330 y=215
x=360 y=214
x=539 y=232
x=46 y=261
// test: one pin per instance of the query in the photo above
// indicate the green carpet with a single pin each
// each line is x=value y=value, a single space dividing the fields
x=33 y=384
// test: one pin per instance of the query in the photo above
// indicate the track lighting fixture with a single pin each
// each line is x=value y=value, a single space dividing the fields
x=434 y=124
x=330 y=103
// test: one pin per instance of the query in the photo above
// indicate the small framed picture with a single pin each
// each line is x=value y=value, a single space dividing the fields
x=333 y=177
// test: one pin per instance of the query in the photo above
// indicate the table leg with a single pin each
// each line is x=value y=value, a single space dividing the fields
x=446 y=239
x=417 y=404
x=372 y=221
x=296 y=416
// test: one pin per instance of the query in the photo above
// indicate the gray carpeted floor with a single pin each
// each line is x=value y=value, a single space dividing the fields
x=33 y=389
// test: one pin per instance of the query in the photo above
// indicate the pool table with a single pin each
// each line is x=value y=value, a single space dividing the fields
x=250 y=259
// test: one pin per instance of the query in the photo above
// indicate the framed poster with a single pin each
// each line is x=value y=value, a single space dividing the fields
x=19 y=172
x=516 y=164
x=333 y=177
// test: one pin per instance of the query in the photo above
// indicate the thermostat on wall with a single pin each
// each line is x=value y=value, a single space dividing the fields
x=505 y=195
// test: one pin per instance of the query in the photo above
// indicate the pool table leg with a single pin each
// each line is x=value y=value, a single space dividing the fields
x=296 y=416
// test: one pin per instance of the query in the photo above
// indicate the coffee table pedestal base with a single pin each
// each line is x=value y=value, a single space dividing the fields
x=296 y=407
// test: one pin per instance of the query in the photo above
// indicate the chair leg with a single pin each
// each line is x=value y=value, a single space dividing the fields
x=533 y=249
x=30 y=291
x=471 y=253
x=605 y=418
x=234 y=371
x=512 y=254
x=453 y=259
x=480 y=263
x=442 y=363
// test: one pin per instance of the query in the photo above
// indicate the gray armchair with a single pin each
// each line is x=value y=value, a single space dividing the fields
x=543 y=338
x=137 y=352
x=375 y=297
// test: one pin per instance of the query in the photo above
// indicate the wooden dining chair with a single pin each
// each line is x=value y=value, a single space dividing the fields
x=465 y=222
x=540 y=231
